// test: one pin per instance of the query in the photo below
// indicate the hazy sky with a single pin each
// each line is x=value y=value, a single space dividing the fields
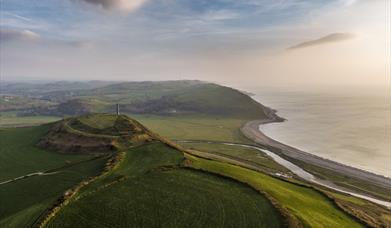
x=230 y=41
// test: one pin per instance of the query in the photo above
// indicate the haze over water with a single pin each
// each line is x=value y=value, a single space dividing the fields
x=351 y=127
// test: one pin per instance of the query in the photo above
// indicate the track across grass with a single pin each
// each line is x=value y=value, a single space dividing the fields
x=22 y=201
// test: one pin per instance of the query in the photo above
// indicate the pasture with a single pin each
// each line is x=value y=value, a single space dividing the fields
x=149 y=189
x=311 y=207
x=22 y=201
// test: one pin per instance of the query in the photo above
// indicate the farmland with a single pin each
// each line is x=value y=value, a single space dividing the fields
x=155 y=191
x=146 y=180
x=310 y=207
x=22 y=201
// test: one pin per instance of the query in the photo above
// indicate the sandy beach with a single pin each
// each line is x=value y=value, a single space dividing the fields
x=251 y=131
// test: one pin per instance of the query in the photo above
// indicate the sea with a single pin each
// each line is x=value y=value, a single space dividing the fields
x=348 y=125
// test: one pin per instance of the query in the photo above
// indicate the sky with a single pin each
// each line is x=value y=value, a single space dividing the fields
x=246 y=42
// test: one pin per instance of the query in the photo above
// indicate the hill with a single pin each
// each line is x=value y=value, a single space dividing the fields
x=146 y=183
x=125 y=175
x=159 y=98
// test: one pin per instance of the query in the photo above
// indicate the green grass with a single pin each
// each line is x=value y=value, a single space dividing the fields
x=309 y=206
x=373 y=214
x=195 y=127
x=22 y=201
x=149 y=189
x=20 y=156
x=9 y=119
x=248 y=154
x=98 y=121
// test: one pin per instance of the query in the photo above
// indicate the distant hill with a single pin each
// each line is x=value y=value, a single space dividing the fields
x=39 y=89
x=160 y=98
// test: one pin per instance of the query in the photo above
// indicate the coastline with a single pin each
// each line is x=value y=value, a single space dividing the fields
x=251 y=130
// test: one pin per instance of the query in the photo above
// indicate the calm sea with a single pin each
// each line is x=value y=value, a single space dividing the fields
x=351 y=126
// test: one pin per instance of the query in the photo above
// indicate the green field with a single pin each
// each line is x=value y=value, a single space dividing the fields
x=252 y=156
x=309 y=206
x=22 y=201
x=149 y=189
x=10 y=119
x=155 y=185
x=203 y=127
x=19 y=155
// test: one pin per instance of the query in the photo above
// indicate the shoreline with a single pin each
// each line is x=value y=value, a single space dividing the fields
x=251 y=130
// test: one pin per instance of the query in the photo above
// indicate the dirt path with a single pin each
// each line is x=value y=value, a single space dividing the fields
x=27 y=176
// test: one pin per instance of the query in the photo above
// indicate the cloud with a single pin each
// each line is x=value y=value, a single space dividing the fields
x=331 y=38
x=18 y=35
x=123 y=5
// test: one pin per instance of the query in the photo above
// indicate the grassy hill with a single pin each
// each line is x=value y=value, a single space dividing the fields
x=159 y=98
x=146 y=165
x=107 y=170
x=23 y=200
x=150 y=189
x=148 y=185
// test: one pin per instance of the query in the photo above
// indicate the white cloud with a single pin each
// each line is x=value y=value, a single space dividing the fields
x=122 y=5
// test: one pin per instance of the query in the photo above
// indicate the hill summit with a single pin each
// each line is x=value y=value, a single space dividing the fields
x=95 y=133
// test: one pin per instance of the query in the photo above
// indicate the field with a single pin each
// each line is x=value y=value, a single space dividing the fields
x=311 y=207
x=149 y=189
x=9 y=119
x=156 y=185
x=200 y=127
x=22 y=201
x=249 y=155
x=20 y=156
x=203 y=127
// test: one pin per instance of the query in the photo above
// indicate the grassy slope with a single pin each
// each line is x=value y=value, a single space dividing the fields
x=210 y=128
x=223 y=129
x=10 y=119
x=21 y=202
x=19 y=156
x=151 y=196
x=247 y=154
x=312 y=208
